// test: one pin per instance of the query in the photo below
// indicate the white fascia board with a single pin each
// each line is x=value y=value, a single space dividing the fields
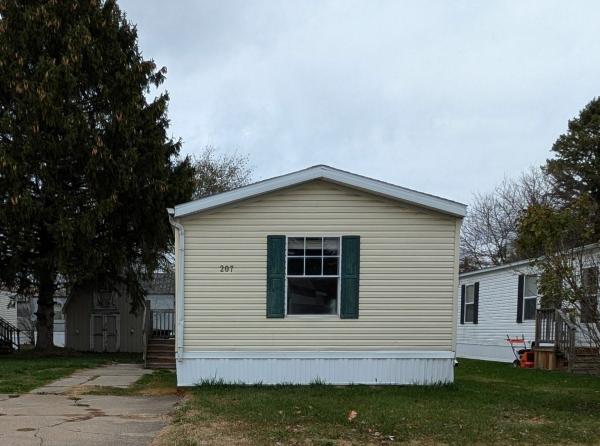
x=491 y=269
x=329 y=174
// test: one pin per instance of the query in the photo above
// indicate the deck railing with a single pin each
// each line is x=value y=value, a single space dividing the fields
x=163 y=323
x=545 y=327
x=554 y=329
x=10 y=335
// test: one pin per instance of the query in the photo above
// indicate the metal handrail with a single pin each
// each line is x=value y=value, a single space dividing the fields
x=162 y=323
x=10 y=334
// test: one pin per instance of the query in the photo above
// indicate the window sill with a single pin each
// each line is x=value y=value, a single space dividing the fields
x=312 y=316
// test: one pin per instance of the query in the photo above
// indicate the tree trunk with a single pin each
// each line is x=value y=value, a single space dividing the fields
x=45 y=314
x=45 y=302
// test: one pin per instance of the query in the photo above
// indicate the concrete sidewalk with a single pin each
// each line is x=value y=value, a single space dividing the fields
x=49 y=416
x=56 y=420
x=114 y=375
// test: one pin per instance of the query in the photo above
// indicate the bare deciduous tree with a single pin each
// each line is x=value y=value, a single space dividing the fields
x=217 y=173
x=489 y=230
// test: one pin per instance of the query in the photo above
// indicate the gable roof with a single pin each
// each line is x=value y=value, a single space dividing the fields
x=322 y=172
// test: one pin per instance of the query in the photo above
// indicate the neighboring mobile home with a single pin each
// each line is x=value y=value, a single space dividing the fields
x=317 y=275
x=495 y=303
x=8 y=307
x=503 y=301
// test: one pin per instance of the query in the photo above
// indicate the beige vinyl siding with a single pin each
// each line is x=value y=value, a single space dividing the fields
x=407 y=273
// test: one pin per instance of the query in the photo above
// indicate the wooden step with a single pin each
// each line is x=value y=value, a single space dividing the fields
x=161 y=340
x=160 y=353
x=160 y=365
x=160 y=348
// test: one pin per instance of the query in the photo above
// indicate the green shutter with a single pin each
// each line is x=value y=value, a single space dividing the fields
x=276 y=276
x=350 y=276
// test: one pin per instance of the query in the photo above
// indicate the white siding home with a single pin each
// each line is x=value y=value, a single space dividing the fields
x=317 y=275
x=8 y=307
x=496 y=302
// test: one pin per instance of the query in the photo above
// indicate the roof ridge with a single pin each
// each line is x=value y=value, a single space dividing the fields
x=328 y=173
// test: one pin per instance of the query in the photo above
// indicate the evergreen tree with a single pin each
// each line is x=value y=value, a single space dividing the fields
x=576 y=165
x=86 y=165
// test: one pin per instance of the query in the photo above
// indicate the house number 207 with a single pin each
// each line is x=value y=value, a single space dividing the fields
x=226 y=268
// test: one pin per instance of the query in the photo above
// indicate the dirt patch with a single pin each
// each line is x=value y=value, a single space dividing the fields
x=201 y=434
x=161 y=391
x=535 y=421
x=191 y=430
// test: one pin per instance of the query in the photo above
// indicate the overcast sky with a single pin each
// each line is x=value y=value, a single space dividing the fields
x=446 y=97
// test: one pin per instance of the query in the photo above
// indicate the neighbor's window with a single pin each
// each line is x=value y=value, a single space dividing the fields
x=470 y=303
x=589 y=303
x=313 y=271
x=530 y=293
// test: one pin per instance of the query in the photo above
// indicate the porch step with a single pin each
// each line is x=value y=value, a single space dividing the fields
x=160 y=353
x=586 y=361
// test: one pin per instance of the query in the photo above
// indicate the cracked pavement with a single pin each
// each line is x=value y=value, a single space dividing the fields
x=52 y=419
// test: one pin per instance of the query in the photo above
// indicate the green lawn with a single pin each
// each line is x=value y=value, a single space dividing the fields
x=490 y=403
x=22 y=372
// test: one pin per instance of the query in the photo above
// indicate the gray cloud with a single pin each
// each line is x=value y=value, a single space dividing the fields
x=444 y=97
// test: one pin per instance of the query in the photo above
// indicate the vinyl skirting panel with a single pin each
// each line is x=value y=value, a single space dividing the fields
x=383 y=368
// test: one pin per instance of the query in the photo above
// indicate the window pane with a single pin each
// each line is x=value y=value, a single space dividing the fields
x=530 y=286
x=529 y=308
x=590 y=280
x=313 y=266
x=295 y=266
x=314 y=246
x=331 y=246
x=330 y=266
x=313 y=295
x=295 y=246
x=470 y=294
x=469 y=312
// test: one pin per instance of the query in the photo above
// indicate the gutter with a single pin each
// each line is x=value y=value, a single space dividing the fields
x=179 y=266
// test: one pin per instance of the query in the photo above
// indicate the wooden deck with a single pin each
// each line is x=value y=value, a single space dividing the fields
x=556 y=345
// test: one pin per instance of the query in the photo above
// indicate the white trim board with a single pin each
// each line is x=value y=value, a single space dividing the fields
x=404 y=354
x=326 y=173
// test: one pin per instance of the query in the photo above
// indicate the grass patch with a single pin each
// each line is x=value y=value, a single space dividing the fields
x=24 y=371
x=157 y=383
x=489 y=403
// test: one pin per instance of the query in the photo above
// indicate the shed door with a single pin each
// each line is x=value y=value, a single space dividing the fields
x=97 y=328
x=104 y=329
x=111 y=333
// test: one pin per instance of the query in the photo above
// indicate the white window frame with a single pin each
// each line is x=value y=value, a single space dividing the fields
x=525 y=297
x=472 y=285
x=338 y=276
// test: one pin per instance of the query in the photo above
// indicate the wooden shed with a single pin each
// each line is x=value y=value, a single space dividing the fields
x=103 y=320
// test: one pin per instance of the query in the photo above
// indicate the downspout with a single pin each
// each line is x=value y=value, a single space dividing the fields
x=179 y=264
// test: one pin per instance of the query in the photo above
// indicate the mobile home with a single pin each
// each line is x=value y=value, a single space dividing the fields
x=317 y=275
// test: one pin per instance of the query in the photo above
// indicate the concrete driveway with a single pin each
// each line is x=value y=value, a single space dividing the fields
x=60 y=418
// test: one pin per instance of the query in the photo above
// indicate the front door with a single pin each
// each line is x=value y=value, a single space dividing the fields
x=104 y=330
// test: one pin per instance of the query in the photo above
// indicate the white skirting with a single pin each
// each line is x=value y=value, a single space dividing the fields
x=288 y=367
x=486 y=352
